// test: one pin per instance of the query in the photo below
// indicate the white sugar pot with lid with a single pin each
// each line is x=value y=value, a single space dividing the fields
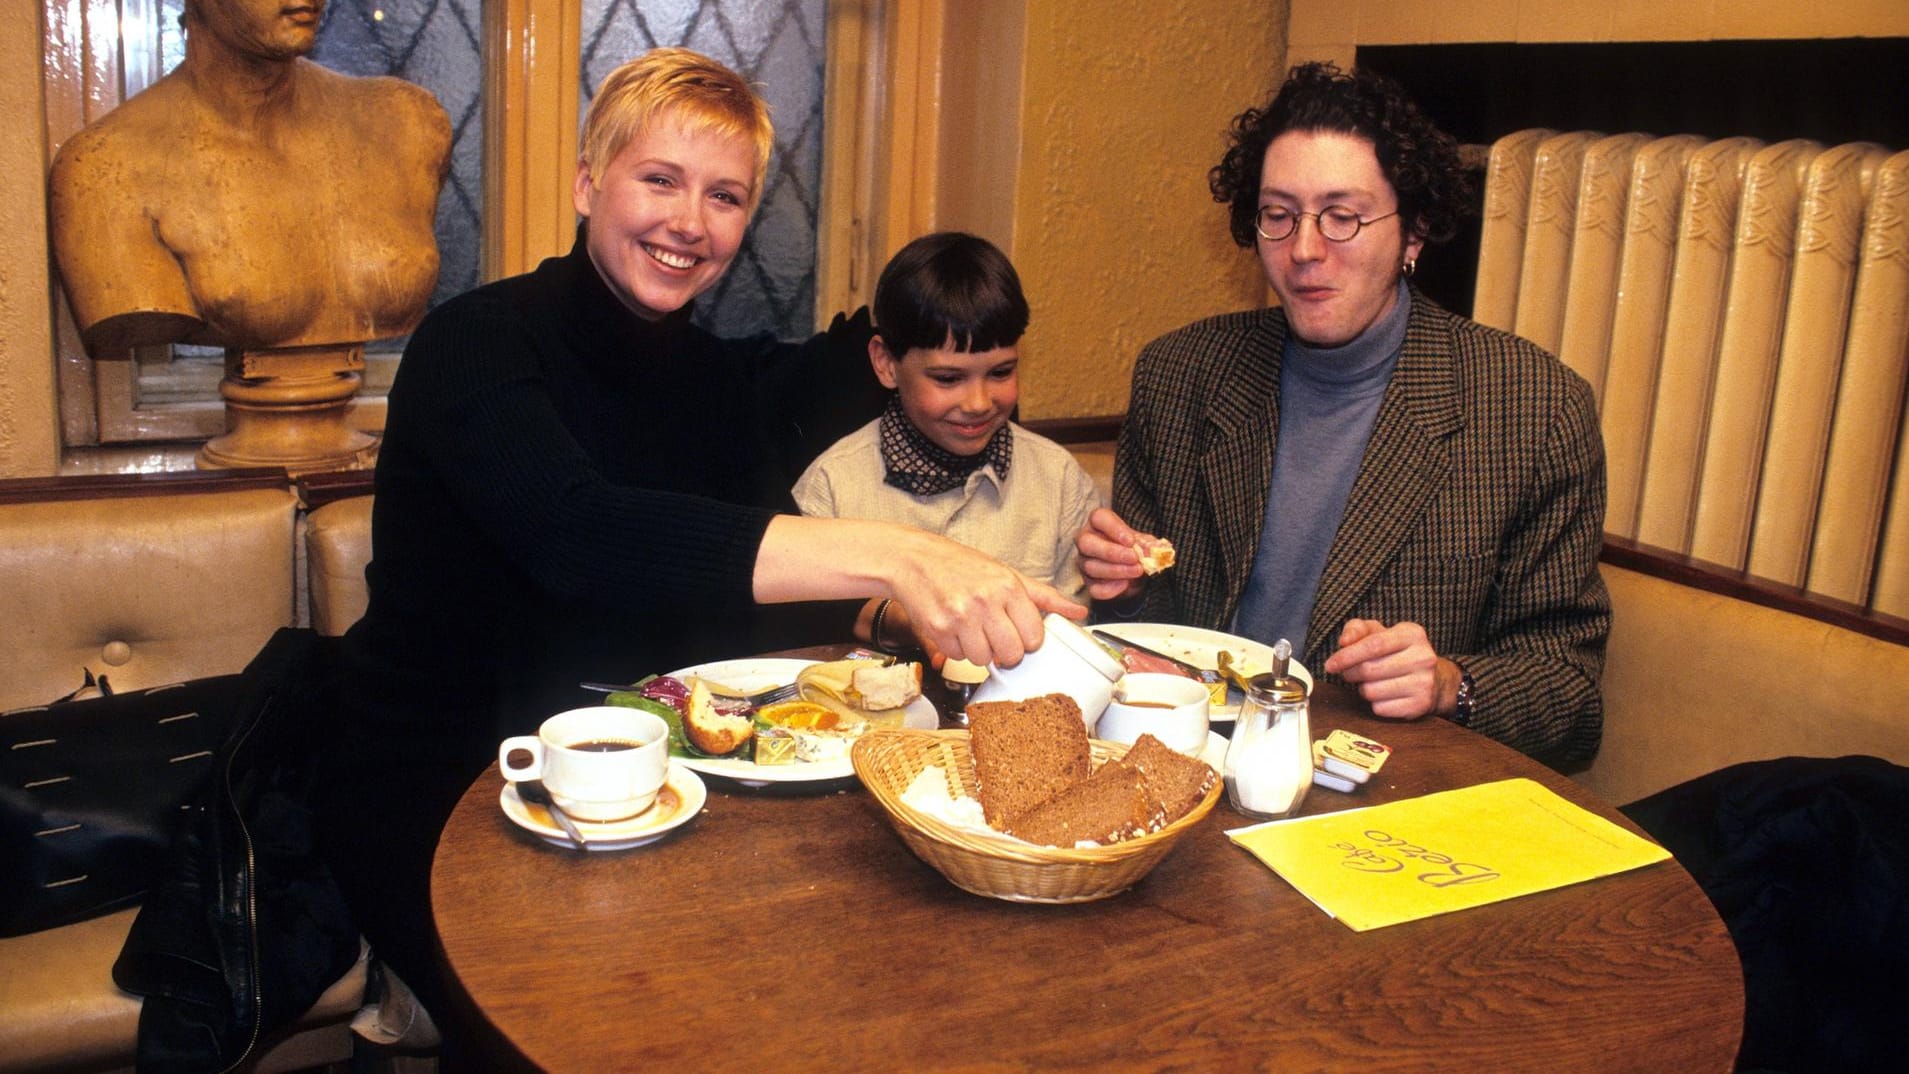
x=1069 y=662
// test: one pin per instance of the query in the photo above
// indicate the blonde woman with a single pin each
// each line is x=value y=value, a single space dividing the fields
x=578 y=483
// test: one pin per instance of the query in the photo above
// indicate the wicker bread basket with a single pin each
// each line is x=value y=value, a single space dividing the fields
x=996 y=865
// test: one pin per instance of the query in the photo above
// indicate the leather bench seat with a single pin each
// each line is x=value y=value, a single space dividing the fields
x=1695 y=681
x=337 y=547
x=147 y=584
x=146 y=589
x=59 y=1009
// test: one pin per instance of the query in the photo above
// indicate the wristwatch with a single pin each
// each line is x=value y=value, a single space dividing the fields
x=1462 y=710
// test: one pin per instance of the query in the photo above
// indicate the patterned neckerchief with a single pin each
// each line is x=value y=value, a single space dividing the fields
x=919 y=465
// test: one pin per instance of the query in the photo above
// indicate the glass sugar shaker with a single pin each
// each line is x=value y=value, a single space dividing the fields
x=1269 y=761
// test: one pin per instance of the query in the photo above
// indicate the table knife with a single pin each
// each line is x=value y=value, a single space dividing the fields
x=1193 y=670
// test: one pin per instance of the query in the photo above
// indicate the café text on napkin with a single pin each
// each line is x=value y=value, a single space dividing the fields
x=1448 y=851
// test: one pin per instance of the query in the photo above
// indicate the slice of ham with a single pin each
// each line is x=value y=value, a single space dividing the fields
x=1136 y=661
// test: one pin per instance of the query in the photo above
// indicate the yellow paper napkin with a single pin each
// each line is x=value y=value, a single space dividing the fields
x=1448 y=851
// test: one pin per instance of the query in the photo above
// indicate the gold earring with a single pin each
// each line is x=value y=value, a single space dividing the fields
x=1410 y=266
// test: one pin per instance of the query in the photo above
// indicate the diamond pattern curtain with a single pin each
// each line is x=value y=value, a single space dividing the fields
x=436 y=44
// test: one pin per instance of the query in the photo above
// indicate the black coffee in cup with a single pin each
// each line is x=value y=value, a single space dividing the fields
x=603 y=745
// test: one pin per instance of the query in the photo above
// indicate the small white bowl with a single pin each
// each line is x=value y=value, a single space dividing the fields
x=1172 y=708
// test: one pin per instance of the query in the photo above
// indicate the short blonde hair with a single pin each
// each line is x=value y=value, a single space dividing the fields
x=686 y=86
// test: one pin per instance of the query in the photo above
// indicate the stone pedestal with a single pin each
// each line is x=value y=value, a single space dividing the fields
x=285 y=407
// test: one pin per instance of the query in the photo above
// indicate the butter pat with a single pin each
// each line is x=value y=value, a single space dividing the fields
x=1358 y=751
x=775 y=745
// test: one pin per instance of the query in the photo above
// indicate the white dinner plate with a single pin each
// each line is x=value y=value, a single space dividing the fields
x=1201 y=648
x=759 y=673
x=681 y=798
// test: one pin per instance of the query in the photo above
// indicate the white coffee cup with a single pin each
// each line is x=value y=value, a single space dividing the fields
x=1069 y=662
x=1171 y=708
x=602 y=763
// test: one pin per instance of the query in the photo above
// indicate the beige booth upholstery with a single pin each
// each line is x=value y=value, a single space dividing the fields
x=60 y=1012
x=337 y=547
x=147 y=587
x=1695 y=681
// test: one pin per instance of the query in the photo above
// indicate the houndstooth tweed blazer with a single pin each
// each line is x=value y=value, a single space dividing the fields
x=1477 y=512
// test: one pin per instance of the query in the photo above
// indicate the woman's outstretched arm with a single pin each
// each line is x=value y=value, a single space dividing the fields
x=965 y=603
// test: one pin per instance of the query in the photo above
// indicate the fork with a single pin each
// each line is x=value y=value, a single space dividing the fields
x=760 y=698
x=756 y=700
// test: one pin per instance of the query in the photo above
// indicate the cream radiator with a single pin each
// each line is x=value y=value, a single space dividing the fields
x=1742 y=311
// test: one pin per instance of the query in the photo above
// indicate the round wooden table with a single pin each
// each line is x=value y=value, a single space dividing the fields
x=780 y=932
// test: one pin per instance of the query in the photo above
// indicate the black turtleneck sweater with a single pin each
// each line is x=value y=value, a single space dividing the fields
x=565 y=491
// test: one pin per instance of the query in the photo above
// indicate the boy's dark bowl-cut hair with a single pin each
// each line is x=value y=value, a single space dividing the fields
x=949 y=288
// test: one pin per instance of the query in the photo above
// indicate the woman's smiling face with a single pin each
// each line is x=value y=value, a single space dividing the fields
x=666 y=217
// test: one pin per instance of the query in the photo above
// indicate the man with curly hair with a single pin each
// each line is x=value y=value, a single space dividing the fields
x=1416 y=501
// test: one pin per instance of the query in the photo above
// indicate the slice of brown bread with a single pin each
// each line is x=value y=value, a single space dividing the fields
x=1106 y=807
x=1175 y=782
x=1025 y=752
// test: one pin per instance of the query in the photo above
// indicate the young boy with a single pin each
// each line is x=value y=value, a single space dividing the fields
x=943 y=456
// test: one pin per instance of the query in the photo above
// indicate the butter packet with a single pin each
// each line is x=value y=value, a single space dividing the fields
x=1330 y=772
x=775 y=745
x=1356 y=751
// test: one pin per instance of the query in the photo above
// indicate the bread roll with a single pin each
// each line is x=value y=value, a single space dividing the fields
x=711 y=730
x=881 y=688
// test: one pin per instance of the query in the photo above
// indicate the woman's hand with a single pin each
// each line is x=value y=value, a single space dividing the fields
x=958 y=602
x=1107 y=557
x=896 y=625
x=964 y=604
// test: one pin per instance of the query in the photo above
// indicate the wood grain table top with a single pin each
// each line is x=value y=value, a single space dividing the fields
x=794 y=931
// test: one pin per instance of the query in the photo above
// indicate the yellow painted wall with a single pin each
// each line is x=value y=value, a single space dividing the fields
x=1116 y=237
x=28 y=412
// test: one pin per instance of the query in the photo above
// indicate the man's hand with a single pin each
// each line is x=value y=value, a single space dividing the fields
x=1107 y=557
x=1395 y=669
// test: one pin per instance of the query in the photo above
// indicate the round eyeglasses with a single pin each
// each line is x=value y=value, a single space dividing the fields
x=1336 y=222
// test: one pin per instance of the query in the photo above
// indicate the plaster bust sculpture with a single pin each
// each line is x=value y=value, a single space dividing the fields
x=252 y=199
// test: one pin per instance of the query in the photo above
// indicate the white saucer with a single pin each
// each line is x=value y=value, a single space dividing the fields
x=1215 y=752
x=681 y=798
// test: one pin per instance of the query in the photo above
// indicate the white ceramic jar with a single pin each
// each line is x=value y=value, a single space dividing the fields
x=1069 y=662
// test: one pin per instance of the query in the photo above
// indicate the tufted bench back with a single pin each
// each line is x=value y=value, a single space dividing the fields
x=147 y=589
